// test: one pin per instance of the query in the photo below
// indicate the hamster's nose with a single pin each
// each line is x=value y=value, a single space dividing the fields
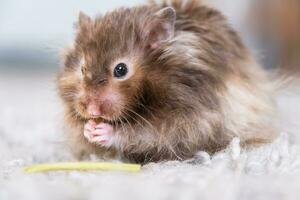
x=94 y=110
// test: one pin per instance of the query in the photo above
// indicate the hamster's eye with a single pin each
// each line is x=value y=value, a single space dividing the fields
x=120 y=70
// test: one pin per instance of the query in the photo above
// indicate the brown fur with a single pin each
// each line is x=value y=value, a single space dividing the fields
x=195 y=91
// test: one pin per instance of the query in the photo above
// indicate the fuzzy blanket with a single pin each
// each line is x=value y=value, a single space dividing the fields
x=30 y=133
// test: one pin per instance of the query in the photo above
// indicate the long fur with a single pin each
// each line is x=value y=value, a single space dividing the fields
x=196 y=91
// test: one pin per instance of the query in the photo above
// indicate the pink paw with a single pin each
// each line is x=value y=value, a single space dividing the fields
x=99 y=133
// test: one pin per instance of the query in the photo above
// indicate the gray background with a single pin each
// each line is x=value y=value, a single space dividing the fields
x=33 y=32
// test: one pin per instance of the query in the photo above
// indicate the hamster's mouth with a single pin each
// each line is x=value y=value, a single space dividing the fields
x=101 y=119
x=110 y=118
x=115 y=121
x=85 y=116
x=119 y=120
x=107 y=120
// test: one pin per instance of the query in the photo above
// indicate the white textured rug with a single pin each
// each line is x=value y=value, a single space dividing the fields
x=30 y=133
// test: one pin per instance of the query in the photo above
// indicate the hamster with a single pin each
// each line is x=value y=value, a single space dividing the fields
x=161 y=82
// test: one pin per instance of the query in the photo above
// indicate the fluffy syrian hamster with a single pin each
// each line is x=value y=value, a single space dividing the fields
x=162 y=81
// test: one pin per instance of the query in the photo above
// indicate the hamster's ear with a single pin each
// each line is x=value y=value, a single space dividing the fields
x=160 y=27
x=83 y=20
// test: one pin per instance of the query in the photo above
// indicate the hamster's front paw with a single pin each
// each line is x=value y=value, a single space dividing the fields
x=101 y=133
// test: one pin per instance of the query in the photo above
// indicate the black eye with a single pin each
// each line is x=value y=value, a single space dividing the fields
x=120 y=70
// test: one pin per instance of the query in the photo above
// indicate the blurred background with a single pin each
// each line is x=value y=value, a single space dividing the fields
x=33 y=32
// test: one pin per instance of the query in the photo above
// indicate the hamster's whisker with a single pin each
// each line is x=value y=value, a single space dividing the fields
x=147 y=109
x=120 y=124
x=125 y=118
x=142 y=118
x=134 y=119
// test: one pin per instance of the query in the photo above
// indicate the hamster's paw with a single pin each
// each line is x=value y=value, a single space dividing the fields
x=101 y=134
